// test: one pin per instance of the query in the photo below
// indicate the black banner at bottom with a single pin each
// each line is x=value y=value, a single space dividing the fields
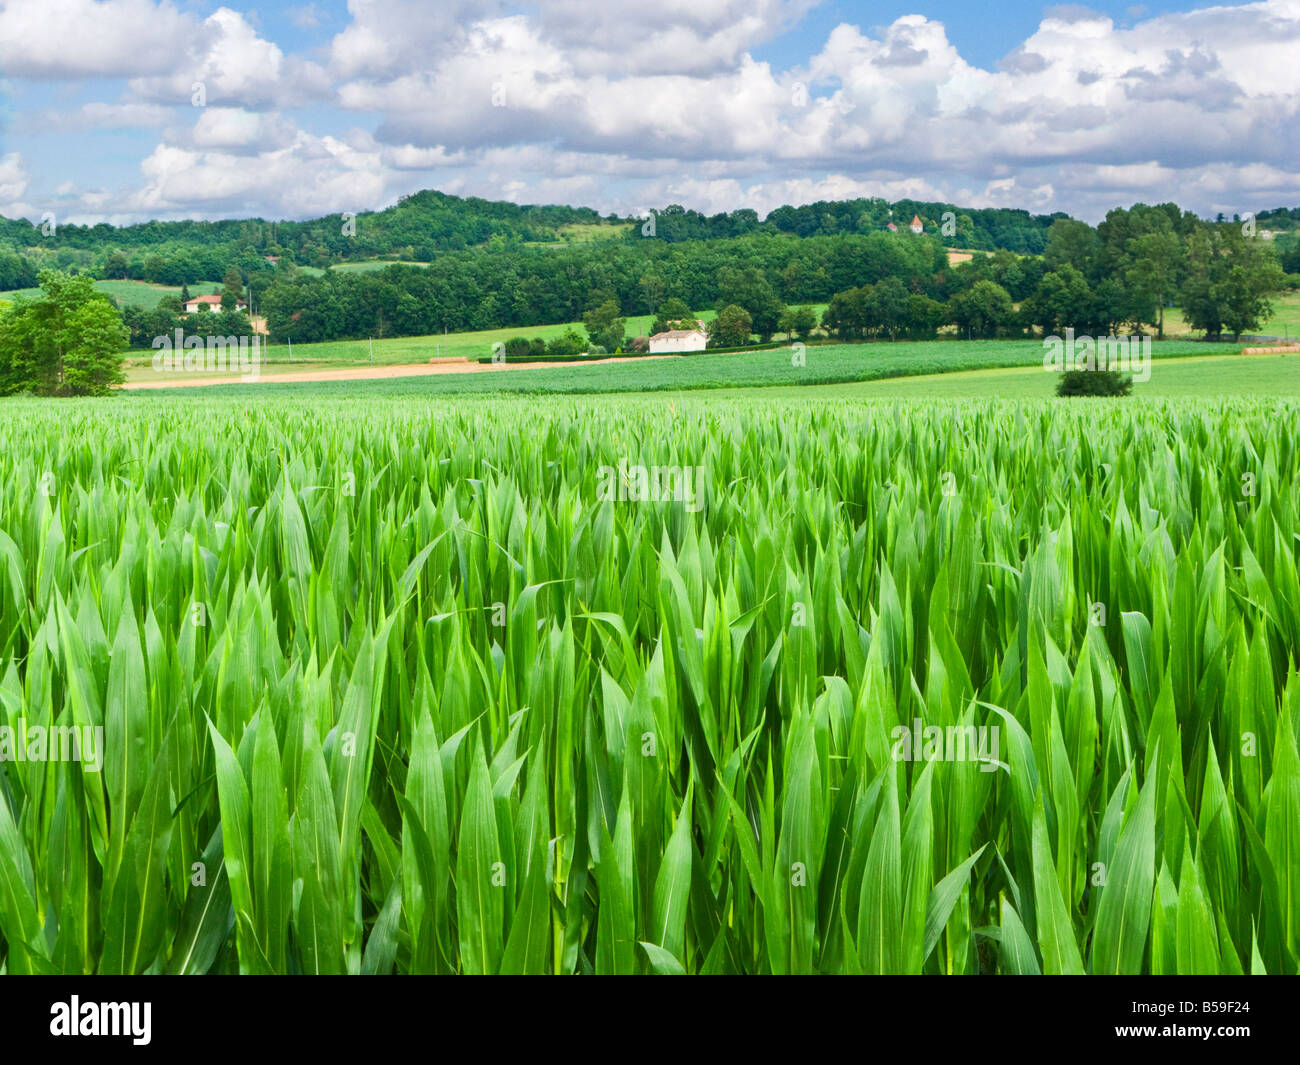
x=301 y=1014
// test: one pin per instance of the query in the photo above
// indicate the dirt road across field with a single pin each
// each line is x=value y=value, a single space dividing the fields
x=370 y=373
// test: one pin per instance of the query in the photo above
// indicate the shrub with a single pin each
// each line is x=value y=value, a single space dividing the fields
x=518 y=347
x=571 y=343
x=1094 y=383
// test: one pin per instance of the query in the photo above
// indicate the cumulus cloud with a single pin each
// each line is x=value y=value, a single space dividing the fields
x=162 y=51
x=670 y=37
x=228 y=64
x=53 y=39
x=309 y=176
x=13 y=187
x=13 y=177
x=716 y=195
x=235 y=129
x=388 y=37
x=625 y=104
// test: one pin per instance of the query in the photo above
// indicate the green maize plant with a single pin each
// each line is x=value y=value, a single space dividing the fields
x=401 y=685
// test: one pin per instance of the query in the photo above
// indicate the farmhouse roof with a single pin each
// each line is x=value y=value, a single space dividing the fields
x=916 y=219
x=208 y=299
x=676 y=333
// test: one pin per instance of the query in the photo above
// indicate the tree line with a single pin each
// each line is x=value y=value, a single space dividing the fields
x=429 y=224
x=466 y=291
x=1122 y=274
x=1125 y=272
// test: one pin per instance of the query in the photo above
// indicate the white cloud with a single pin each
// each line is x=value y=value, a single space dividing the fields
x=670 y=37
x=716 y=195
x=626 y=104
x=13 y=186
x=90 y=38
x=387 y=37
x=307 y=16
x=307 y=177
x=409 y=157
x=13 y=176
x=162 y=50
x=227 y=64
x=97 y=115
x=233 y=128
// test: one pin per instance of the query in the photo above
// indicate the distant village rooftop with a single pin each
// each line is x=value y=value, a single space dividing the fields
x=210 y=301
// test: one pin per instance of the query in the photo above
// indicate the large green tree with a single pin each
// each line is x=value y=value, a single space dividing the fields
x=985 y=310
x=605 y=325
x=1230 y=278
x=731 y=328
x=749 y=288
x=798 y=321
x=68 y=341
x=1153 y=273
x=1073 y=243
x=673 y=314
x=232 y=289
x=1063 y=300
x=887 y=307
x=924 y=316
x=847 y=315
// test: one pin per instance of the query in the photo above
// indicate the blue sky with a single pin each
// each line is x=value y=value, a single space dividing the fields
x=316 y=107
x=984 y=32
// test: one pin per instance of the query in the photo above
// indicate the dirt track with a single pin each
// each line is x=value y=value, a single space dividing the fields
x=369 y=373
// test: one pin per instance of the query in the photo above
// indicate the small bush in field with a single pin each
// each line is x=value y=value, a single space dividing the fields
x=1094 y=383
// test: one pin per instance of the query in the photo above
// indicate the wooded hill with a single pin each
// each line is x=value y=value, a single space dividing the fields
x=426 y=225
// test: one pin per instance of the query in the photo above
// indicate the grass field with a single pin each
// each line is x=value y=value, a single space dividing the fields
x=825 y=364
x=395 y=684
x=360 y=266
x=1285 y=321
x=586 y=232
x=405 y=350
x=140 y=293
x=1203 y=377
x=395 y=351
x=370 y=266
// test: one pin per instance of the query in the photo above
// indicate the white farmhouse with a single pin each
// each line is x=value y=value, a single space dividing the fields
x=678 y=340
x=213 y=304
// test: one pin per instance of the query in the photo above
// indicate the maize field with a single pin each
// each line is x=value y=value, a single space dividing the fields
x=398 y=685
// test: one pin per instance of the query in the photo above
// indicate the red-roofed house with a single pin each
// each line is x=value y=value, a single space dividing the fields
x=213 y=303
x=916 y=225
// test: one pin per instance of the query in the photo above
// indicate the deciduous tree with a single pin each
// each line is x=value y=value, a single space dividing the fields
x=68 y=341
